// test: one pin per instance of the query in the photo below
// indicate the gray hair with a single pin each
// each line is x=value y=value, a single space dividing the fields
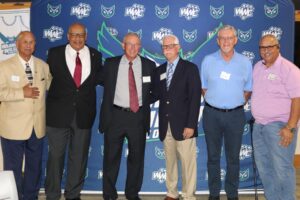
x=228 y=27
x=176 y=40
x=273 y=37
x=131 y=34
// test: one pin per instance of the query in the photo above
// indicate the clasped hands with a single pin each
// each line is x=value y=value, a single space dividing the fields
x=31 y=92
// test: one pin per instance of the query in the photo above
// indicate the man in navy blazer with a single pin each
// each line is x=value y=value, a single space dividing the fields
x=178 y=88
x=71 y=110
x=120 y=120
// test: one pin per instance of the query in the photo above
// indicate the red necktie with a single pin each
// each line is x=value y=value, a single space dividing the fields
x=77 y=72
x=133 y=98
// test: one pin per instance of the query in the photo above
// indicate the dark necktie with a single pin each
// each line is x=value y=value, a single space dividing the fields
x=133 y=98
x=29 y=73
x=78 y=71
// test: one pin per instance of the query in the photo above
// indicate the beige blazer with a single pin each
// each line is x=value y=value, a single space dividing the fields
x=19 y=115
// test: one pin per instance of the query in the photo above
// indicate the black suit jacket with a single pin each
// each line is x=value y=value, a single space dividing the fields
x=111 y=67
x=64 y=98
x=179 y=105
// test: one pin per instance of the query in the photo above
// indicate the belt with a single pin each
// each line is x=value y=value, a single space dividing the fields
x=224 y=110
x=123 y=108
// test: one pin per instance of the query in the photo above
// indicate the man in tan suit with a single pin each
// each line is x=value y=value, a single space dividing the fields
x=24 y=80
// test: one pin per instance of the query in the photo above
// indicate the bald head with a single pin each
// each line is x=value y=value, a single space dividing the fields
x=25 y=44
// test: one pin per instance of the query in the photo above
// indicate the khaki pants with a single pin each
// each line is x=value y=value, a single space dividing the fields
x=185 y=151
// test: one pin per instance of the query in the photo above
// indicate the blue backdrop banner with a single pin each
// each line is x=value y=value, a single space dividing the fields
x=196 y=24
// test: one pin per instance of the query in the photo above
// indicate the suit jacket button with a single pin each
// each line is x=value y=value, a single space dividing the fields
x=74 y=104
x=167 y=115
x=168 y=102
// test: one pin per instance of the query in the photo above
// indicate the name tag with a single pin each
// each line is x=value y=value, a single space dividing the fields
x=225 y=75
x=163 y=76
x=146 y=79
x=15 y=78
x=272 y=77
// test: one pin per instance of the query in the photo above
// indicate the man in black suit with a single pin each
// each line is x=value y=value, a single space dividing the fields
x=125 y=113
x=179 y=91
x=71 y=109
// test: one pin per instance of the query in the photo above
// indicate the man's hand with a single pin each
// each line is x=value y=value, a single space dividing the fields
x=286 y=137
x=188 y=133
x=31 y=92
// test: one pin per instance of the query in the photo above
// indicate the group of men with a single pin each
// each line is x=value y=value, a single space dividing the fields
x=131 y=83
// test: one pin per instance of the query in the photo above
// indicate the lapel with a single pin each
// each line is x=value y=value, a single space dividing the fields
x=18 y=70
x=144 y=73
x=164 y=71
x=36 y=71
x=115 y=68
x=176 y=76
x=65 y=68
x=92 y=59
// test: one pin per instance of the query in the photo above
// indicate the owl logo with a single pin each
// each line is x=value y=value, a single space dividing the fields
x=139 y=32
x=271 y=12
x=53 y=11
x=108 y=12
x=189 y=36
x=244 y=36
x=217 y=13
x=159 y=153
x=244 y=175
x=162 y=13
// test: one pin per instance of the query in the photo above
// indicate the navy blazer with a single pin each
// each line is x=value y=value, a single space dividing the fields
x=64 y=98
x=179 y=105
x=111 y=67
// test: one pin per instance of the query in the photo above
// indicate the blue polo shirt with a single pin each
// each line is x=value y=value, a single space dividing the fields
x=226 y=81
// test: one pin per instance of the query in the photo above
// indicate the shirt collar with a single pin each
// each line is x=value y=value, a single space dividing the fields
x=175 y=62
x=74 y=52
x=30 y=61
x=221 y=57
x=275 y=64
x=124 y=60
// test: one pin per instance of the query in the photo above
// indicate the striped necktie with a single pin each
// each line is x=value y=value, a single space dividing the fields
x=170 y=72
x=29 y=73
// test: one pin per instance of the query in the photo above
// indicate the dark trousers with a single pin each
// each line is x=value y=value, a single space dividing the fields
x=130 y=126
x=77 y=140
x=230 y=126
x=13 y=153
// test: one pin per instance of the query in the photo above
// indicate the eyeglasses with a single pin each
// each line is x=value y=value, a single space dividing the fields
x=169 y=46
x=230 y=39
x=80 y=35
x=263 y=48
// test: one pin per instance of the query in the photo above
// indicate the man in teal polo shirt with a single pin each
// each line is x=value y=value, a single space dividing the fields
x=226 y=86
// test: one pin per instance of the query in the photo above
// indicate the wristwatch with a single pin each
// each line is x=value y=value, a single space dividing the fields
x=291 y=129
